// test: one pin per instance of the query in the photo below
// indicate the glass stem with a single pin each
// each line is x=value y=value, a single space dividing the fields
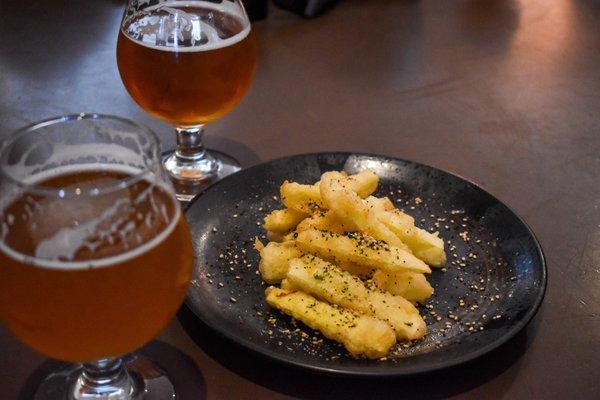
x=189 y=143
x=191 y=167
x=104 y=379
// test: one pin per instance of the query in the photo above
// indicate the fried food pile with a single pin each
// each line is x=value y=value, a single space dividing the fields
x=347 y=263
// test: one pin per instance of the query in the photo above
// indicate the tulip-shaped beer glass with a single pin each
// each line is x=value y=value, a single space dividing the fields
x=95 y=254
x=188 y=63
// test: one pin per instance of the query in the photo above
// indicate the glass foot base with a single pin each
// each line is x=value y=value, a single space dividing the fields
x=145 y=381
x=191 y=177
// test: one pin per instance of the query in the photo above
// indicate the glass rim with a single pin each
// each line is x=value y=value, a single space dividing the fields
x=92 y=191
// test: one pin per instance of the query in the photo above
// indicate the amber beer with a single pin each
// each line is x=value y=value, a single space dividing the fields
x=81 y=280
x=183 y=81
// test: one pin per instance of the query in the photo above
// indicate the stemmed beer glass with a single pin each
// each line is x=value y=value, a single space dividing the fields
x=188 y=63
x=95 y=254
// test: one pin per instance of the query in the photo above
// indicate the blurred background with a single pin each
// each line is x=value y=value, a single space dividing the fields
x=438 y=75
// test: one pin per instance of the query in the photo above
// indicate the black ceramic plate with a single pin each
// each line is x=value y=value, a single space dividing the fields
x=492 y=285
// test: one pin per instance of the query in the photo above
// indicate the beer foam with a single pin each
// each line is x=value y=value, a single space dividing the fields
x=67 y=241
x=197 y=26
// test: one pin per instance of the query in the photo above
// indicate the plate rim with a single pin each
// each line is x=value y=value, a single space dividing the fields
x=387 y=371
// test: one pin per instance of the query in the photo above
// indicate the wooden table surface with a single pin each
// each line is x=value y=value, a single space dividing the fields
x=503 y=92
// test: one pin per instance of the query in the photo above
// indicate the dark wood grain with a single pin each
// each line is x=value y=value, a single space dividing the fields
x=505 y=93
